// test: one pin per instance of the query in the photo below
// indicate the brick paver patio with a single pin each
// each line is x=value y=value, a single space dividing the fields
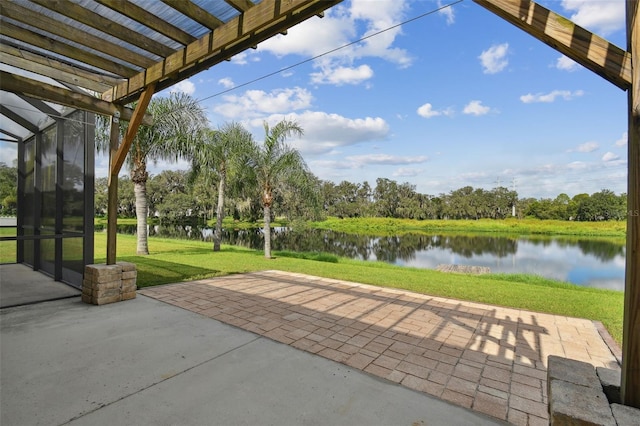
x=486 y=358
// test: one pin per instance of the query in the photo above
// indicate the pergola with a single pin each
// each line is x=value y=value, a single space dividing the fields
x=101 y=55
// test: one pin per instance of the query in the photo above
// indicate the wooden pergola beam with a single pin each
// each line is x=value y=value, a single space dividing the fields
x=38 y=40
x=630 y=386
x=63 y=71
x=38 y=68
x=47 y=92
x=117 y=154
x=99 y=22
x=589 y=50
x=50 y=25
x=134 y=123
x=142 y=16
x=195 y=12
x=240 y=5
x=257 y=24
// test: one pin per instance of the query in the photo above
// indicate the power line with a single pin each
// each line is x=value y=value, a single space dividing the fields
x=431 y=12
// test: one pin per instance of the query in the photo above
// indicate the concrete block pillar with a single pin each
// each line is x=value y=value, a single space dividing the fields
x=104 y=284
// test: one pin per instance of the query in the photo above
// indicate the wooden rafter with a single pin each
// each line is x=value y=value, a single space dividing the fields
x=117 y=156
x=195 y=12
x=99 y=22
x=42 y=22
x=54 y=69
x=38 y=90
x=630 y=386
x=29 y=37
x=241 y=5
x=589 y=50
x=54 y=72
x=257 y=24
x=150 y=20
x=135 y=121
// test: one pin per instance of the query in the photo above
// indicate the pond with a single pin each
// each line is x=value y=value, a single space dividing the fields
x=586 y=262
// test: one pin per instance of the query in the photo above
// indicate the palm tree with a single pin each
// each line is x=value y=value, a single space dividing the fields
x=178 y=121
x=273 y=162
x=222 y=153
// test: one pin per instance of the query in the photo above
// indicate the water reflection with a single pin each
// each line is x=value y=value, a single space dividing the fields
x=587 y=262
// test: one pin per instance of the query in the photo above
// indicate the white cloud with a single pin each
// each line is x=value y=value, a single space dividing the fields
x=226 y=82
x=342 y=75
x=312 y=37
x=385 y=159
x=384 y=15
x=185 y=86
x=361 y=161
x=565 y=63
x=623 y=140
x=325 y=132
x=447 y=12
x=567 y=95
x=427 y=111
x=610 y=156
x=494 y=60
x=603 y=17
x=240 y=58
x=407 y=172
x=254 y=103
x=338 y=28
x=243 y=58
x=577 y=165
x=476 y=108
x=585 y=147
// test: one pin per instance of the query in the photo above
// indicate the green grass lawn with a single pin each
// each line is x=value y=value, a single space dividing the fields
x=181 y=260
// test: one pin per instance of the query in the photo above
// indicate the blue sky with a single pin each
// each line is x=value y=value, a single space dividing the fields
x=458 y=97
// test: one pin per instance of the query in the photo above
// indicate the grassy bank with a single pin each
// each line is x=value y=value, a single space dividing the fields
x=613 y=230
x=180 y=260
x=386 y=226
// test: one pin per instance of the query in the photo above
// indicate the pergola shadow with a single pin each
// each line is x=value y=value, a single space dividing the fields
x=470 y=354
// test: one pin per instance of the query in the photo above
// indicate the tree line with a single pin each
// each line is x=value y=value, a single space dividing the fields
x=174 y=198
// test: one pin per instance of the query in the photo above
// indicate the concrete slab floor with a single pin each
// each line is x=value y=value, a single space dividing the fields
x=145 y=362
x=21 y=285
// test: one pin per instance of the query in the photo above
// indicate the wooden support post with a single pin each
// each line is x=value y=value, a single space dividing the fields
x=112 y=200
x=117 y=154
x=630 y=386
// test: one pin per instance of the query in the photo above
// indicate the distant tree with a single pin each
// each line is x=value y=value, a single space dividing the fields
x=363 y=197
x=603 y=205
x=101 y=195
x=386 y=197
x=409 y=202
x=177 y=207
x=301 y=200
x=274 y=162
x=222 y=153
x=8 y=190
x=165 y=186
